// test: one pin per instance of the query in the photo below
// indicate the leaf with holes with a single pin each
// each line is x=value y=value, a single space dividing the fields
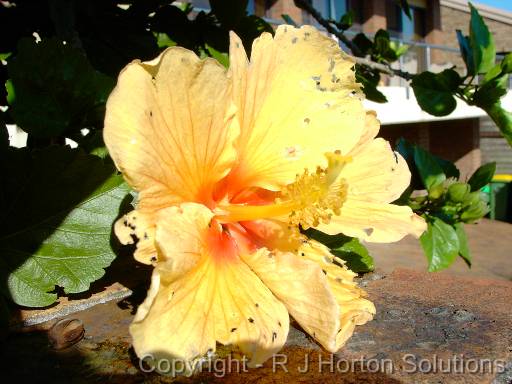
x=57 y=208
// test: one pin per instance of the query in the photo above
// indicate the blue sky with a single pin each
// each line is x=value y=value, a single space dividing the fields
x=503 y=4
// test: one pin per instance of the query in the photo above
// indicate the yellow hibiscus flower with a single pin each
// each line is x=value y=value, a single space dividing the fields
x=229 y=165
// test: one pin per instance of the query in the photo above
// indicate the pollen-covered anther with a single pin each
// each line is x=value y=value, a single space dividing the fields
x=317 y=196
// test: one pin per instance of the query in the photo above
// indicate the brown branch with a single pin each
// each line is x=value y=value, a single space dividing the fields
x=380 y=67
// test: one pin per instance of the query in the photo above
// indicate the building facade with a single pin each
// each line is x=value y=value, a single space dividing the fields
x=466 y=136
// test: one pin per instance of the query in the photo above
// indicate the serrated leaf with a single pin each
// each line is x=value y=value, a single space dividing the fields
x=57 y=210
x=482 y=43
x=463 y=243
x=430 y=172
x=440 y=244
x=482 y=176
x=54 y=89
x=491 y=92
x=502 y=118
x=347 y=248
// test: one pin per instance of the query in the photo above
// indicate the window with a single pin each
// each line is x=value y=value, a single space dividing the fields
x=399 y=25
x=334 y=9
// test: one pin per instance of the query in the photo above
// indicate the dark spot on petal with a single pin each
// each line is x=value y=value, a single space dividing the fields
x=233 y=329
x=323 y=270
x=237 y=45
x=150 y=114
x=307 y=120
x=396 y=157
x=302 y=254
x=274 y=336
x=153 y=258
x=251 y=320
x=294 y=40
x=279 y=323
x=257 y=305
x=146 y=236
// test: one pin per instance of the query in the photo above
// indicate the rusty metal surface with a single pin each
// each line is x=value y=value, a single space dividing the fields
x=432 y=317
x=489 y=243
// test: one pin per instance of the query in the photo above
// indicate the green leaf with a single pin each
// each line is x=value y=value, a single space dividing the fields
x=346 y=20
x=457 y=192
x=493 y=73
x=382 y=49
x=482 y=176
x=449 y=168
x=404 y=4
x=221 y=57
x=347 y=248
x=434 y=91
x=440 y=244
x=506 y=64
x=502 y=118
x=475 y=209
x=399 y=48
x=229 y=13
x=56 y=90
x=288 y=20
x=466 y=52
x=369 y=81
x=430 y=172
x=356 y=255
x=482 y=43
x=362 y=42
x=57 y=210
x=463 y=243
x=491 y=92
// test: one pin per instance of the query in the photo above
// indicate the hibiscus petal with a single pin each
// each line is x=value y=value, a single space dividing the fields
x=371 y=129
x=170 y=127
x=140 y=228
x=354 y=309
x=290 y=112
x=216 y=299
x=375 y=222
x=376 y=173
x=303 y=288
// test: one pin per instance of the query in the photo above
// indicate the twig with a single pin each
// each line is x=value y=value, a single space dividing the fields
x=383 y=68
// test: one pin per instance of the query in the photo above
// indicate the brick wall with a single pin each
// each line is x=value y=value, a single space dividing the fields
x=454 y=140
x=452 y=19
